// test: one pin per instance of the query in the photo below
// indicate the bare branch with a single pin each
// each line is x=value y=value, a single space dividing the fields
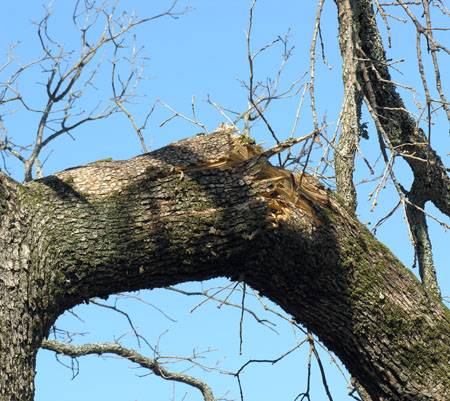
x=68 y=76
x=75 y=351
x=213 y=297
x=312 y=53
x=176 y=114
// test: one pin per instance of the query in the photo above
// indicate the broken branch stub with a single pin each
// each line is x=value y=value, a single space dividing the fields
x=285 y=187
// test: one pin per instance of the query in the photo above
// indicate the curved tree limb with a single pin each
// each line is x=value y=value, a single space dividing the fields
x=75 y=351
x=206 y=207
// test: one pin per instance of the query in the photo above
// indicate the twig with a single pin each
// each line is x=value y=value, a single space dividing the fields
x=176 y=114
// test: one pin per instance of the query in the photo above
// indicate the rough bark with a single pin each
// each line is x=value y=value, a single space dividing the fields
x=401 y=136
x=207 y=207
x=344 y=157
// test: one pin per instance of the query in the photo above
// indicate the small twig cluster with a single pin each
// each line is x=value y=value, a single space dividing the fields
x=69 y=79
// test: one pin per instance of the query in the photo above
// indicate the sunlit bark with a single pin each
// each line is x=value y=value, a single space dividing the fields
x=207 y=207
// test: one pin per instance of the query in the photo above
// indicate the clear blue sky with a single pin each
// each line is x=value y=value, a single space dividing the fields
x=202 y=53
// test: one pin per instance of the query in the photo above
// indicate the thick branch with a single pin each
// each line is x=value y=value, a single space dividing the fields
x=423 y=243
x=208 y=207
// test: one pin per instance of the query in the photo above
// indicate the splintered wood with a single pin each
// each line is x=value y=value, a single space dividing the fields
x=288 y=189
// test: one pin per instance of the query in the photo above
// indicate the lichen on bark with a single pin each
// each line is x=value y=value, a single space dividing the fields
x=200 y=208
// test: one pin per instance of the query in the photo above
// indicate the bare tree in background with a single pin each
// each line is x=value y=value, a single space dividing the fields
x=213 y=206
x=400 y=131
x=70 y=73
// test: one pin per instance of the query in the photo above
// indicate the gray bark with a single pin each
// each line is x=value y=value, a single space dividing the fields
x=209 y=207
x=351 y=108
x=431 y=181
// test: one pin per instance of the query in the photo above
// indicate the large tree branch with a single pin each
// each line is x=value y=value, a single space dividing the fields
x=209 y=206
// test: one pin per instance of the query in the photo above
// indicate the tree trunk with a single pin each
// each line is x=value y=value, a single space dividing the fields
x=207 y=207
x=344 y=156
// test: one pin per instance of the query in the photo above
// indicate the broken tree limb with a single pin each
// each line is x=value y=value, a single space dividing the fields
x=175 y=215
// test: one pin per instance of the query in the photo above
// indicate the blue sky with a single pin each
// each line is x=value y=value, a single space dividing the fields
x=199 y=54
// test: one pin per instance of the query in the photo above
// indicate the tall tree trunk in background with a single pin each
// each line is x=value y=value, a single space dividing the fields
x=351 y=108
x=207 y=207
x=397 y=130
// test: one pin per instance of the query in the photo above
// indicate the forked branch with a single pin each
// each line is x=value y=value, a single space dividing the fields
x=75 y=351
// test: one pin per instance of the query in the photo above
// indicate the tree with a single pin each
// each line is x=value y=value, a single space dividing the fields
x=213 y=205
